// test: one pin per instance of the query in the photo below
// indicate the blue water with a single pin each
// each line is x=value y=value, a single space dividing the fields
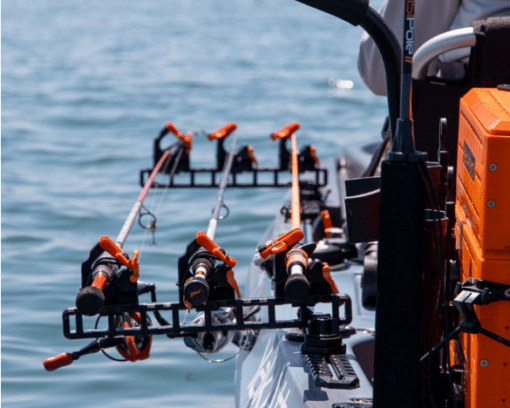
x=86 y=86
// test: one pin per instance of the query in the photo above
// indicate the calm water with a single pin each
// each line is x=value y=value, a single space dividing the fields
x=85 y=88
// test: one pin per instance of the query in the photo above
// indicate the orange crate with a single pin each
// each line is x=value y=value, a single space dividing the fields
x=483 y=236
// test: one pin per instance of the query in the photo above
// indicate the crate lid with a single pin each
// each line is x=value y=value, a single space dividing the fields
x=491 y=106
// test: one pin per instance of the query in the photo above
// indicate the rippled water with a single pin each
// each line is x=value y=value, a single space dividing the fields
x=86 y=86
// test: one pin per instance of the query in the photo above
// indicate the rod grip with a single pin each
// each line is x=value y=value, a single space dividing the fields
x=297 y=286
x=90 y=299
x=62 y=360
x=196 y=290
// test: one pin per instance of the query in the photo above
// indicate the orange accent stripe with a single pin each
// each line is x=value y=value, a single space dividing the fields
x=295 y=208
x=100 y=282
x=297 y=255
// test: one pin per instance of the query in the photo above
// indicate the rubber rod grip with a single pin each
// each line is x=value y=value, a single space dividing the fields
x=62 y=360
x=285 y=131
x=90 y=300
x=223 y=131
x=297 y=287
x=196 y=291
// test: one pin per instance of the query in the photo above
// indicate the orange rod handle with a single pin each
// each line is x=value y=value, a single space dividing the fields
x=295 y=207
x=184 y=139
x=232 y=282
x=326 y=222
x=62 y=360
x=283 y=242
x=285 y=131
x=223 y=131
x=171 y=128
x=109 y=246
x=207 y=243
x=326 y=274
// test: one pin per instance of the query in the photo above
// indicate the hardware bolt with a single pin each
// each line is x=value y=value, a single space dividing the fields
x=484 y=363
x=507 y=293
x=493 y=167
x=491 y=204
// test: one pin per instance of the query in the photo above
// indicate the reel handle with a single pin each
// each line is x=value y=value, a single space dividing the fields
x=54 y=363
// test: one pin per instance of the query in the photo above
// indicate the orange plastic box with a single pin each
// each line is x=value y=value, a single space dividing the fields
x=483 y=236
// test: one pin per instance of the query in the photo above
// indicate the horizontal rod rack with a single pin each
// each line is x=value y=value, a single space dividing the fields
x=176 y=329
x=321 y=178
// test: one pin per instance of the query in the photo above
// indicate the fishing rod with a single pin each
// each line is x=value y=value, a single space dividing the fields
x=227 y=167
x=296 y=276
x=197 y=266
x=91 y=298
